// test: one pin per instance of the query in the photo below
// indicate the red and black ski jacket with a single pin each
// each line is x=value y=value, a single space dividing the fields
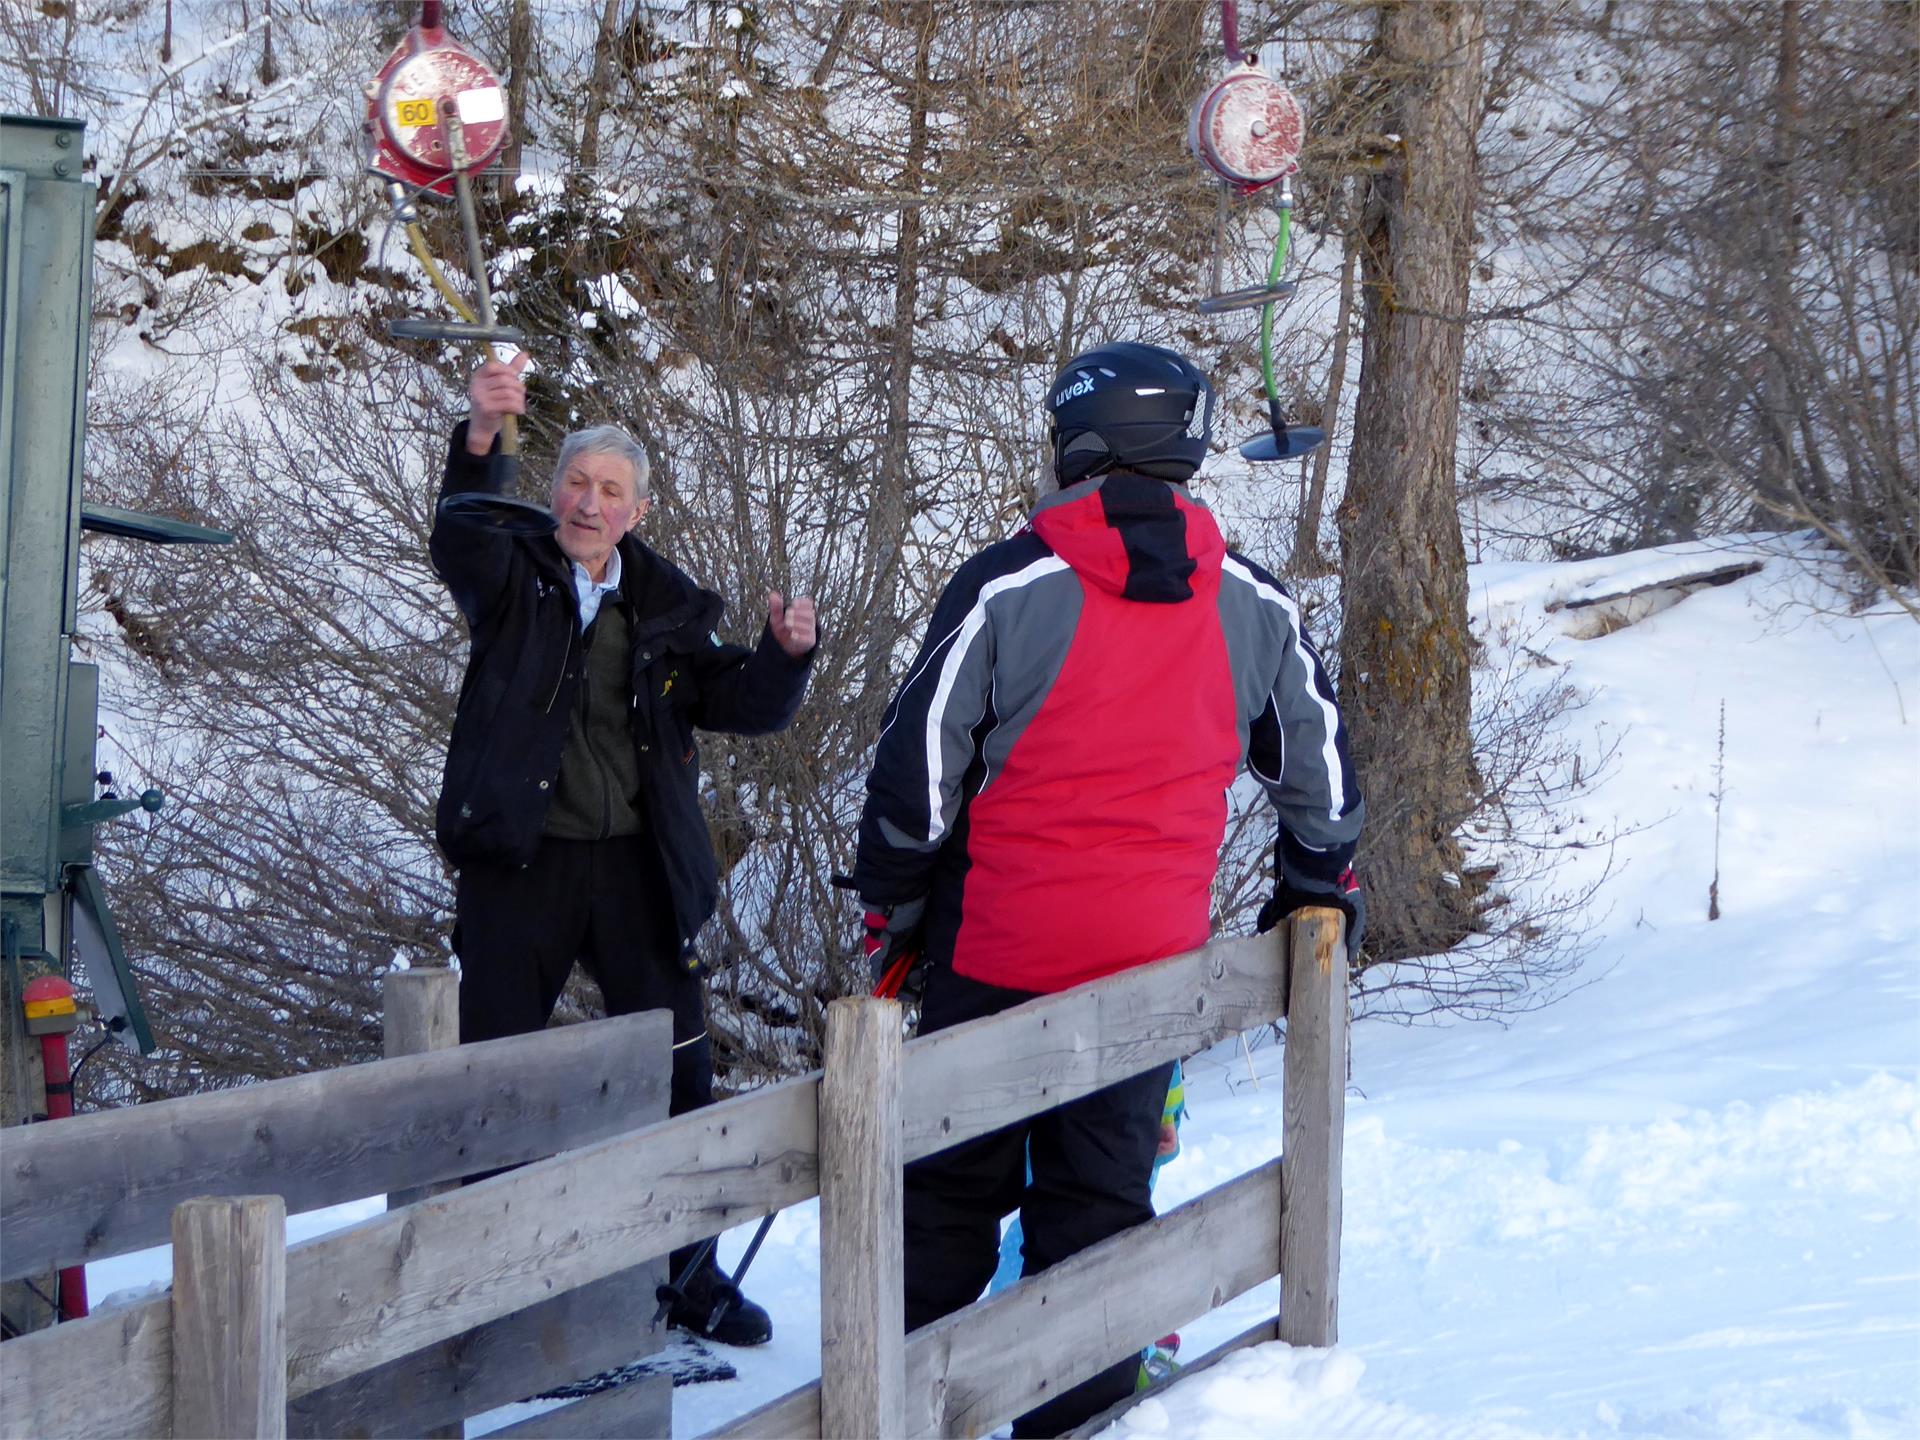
x=1053 y=774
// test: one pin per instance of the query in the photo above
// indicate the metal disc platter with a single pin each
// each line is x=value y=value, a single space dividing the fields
x=498 y=512
x=1291 y=442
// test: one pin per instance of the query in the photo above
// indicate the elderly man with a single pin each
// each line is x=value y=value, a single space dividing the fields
x=570 y=803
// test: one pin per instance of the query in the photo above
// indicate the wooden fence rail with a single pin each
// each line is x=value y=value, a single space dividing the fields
x=583 y=1332
x=570 y=1337
x=968 y=1373
x=105 y=1184
x=962 y=1083
x=367 y=1297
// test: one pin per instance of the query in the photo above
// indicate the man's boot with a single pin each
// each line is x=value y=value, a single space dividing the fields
x=709 y=1306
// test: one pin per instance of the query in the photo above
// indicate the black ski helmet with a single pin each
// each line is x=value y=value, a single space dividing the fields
x=1128 y=406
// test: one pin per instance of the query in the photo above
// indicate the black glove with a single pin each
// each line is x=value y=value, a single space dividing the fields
x=895 y=956
x=1344 y=896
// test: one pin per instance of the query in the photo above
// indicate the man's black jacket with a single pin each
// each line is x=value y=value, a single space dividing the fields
x=518 y=596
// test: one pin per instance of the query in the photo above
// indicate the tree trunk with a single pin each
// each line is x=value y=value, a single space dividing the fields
x=1782 y=484
x=830 y=53
x=892 y=498
x=1405 y=649
x=269 y=67
x=519 y=63
x=598 y=87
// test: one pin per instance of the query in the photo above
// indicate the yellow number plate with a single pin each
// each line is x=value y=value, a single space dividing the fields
x=415 y=113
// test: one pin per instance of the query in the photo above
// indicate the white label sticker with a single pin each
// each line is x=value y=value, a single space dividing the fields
x=477 y=107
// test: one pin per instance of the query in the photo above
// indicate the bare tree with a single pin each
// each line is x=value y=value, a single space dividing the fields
x=1723 y=336
x=822 y=259
x=1306 y=558
x=291 y=695
x=1406 y=653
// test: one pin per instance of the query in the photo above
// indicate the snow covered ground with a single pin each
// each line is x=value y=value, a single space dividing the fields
x=1682 y=1201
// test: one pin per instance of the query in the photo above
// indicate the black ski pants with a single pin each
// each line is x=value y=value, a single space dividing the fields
x=1092 y=1162
x=603 y=902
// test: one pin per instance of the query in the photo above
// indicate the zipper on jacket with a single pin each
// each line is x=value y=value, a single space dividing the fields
x=561 y=674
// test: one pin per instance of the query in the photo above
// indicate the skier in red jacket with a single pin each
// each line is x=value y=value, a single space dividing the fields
x=1048 y=800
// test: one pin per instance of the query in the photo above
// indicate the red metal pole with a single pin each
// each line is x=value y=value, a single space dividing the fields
x=53 y=1055
x=1230 y=30
x=51 y=1014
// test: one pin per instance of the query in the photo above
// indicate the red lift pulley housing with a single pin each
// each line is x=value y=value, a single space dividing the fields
x=429 y=80
x=1248 y=129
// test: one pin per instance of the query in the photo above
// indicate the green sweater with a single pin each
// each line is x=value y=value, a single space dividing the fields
x=598 y=793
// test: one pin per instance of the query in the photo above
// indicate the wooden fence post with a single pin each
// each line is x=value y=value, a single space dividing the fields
x=1315 y=1128
x=862 y=1279
x=419 y=1011
x=230 y=1318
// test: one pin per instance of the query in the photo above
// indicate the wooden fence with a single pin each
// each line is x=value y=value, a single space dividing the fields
x=383 y=1298
x=107 y=1184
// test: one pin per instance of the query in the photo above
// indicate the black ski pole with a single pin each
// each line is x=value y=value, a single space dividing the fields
x=730 y=1292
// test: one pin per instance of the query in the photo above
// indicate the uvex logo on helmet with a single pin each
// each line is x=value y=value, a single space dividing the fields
x=1082 y=386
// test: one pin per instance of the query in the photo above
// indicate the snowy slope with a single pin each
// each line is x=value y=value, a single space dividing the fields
x=1685 y=1199
x=1681 y=1201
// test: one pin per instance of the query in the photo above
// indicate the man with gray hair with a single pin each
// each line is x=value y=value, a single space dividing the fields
x=570 y=803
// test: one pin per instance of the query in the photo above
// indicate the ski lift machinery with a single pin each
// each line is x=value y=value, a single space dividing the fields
x=1248 y=130
x=436 y=116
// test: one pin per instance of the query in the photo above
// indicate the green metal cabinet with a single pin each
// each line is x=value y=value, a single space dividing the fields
x=52 y=912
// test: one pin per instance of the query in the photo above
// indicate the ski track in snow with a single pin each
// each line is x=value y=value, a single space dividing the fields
x=1683 y=1200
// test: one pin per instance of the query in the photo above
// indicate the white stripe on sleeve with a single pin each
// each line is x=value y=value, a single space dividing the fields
x=1329 y=718
x=970 y=629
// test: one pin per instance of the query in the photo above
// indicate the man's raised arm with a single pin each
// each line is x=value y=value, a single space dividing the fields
x=474 y=560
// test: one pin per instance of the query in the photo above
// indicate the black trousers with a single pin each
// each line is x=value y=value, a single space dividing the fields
x=1092 y=1163
x=603 y=902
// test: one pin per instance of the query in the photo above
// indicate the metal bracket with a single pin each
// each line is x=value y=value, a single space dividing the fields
x=454 y=330
x=160 y=529
x=96 y=811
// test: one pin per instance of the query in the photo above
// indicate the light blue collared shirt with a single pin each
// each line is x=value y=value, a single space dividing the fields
x=592 y=591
